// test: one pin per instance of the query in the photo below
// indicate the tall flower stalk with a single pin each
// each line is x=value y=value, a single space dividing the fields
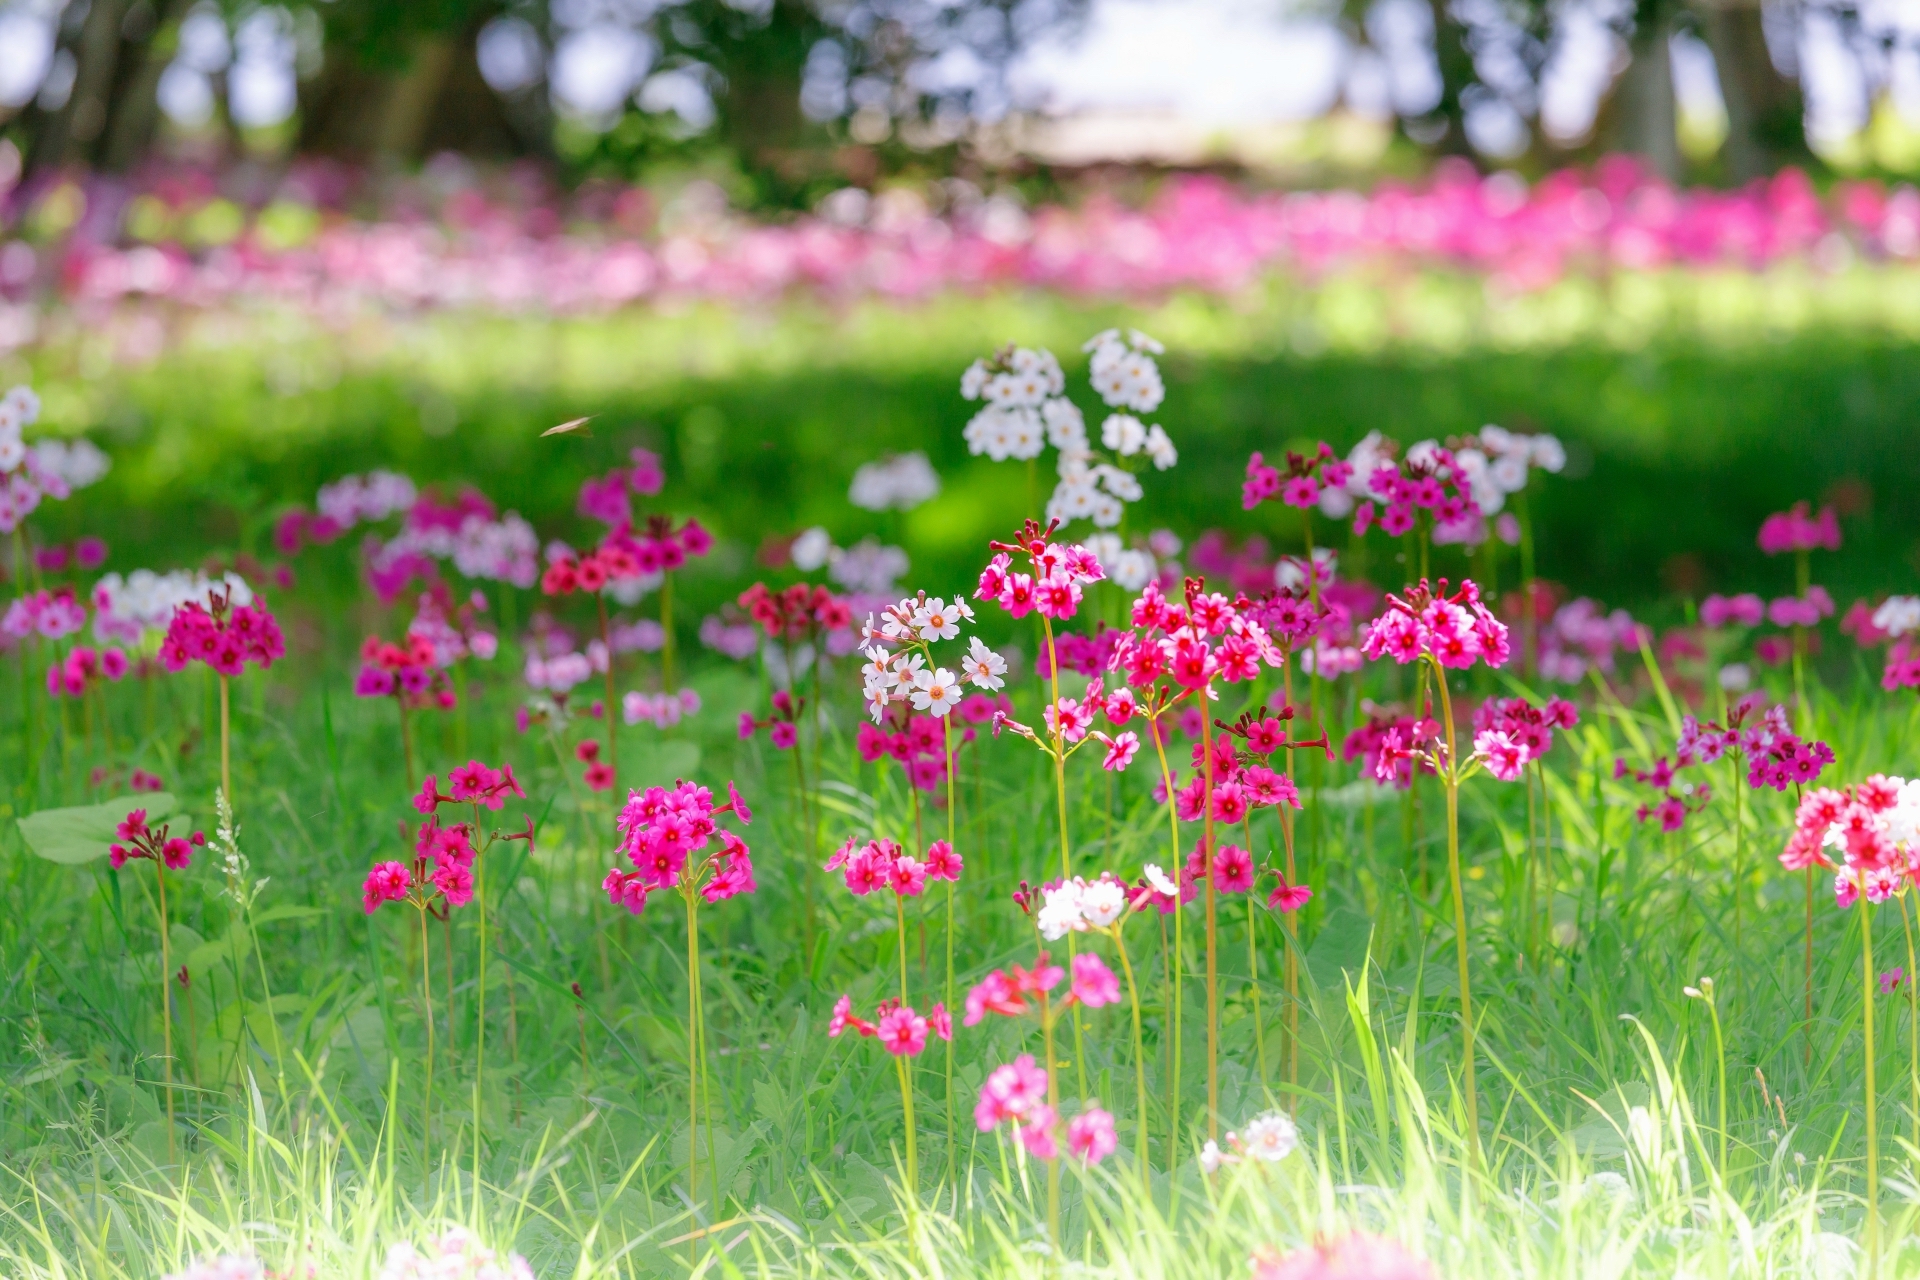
x=666 y=835
x=226 y=633
x=1442 y=631
x=1029 y=1096
x=135 y=840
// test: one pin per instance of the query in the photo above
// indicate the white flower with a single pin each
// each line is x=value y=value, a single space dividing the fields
x=1131 y=570
x=900 y=483
x=982 y=666
x=936 y=621
x=812 y=549
x=12 y=453
x=1498 y=439
x=1896 y=616
x=1107 y=511
x=1103 y=901
x=1160 y=449
x=1270 y=1137
x=1023 y=435
x=877 y=699
x=1123 y=433
x=1066 y=429
x=1061 y=913
x=1736 y=677
x=1158 y=879
x=1121 y=484
x=974 y=381
x=935 y=691
x=906 y=669
x=1335 y=504
x=1211 y=1157
x=1510 y=472
x=878 y=667
x=1549 y=454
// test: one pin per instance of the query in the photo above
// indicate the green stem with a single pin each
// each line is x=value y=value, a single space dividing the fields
x=1139 y=1055
x=1213 y=975
x=1452 y=779
x=1872 y=1098
x=946 y=752
x=166 y=1006
x=1174 y=1042
x=426 y=1005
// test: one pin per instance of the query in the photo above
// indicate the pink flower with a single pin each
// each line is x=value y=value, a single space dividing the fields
x=454 y=882
x=1301 y=491
x=783 y=734
x=1120 y=751
x=908 y=877
x=1090 y=1135
x=1354 y=1257
x=599 y=776
x=940 y=1022
x=1233 y=869
x=903 y=1032
x=844 y=1019
x=387 y=882
x=1037 y=1133
x=942 y=862
x=1505 y=759
x=1093 y=983
x=1288 y=898
x=1012 y=1090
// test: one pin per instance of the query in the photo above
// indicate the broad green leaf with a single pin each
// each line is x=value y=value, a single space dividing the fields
x=658 y=764
x=1339 y=953
x=85 y=832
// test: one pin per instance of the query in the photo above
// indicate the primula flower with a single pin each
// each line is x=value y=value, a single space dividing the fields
x=1233 y=870
x=1094 y=984
x=386 y=882
x=1287 y=898
x=902 y=1032
x=1091 y=1136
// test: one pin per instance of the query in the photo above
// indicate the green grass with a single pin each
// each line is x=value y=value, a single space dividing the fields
x=318 y=1153
x=299 y=1134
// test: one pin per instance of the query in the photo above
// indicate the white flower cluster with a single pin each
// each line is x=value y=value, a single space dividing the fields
x=1270 y=1138
x=561 y=673
x=78 y=462
x=897 y=647
x=374 y=496
x=1077 y=905
x=457 y=1255
x=503 y=550
x=1026 y=410
x=867 y=566
x=50 y=469
x=1497 y=465
x=1131 y=568
x=663 y=710
x=140 y=605
x=898 y=482
x=1898 y=615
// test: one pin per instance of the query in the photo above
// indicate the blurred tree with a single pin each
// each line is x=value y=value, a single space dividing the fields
x=1764 y=108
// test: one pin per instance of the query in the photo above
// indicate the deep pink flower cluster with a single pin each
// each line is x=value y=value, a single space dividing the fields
x=1016 y=1092
x=226 y=639
x=1351 y=1257
x=1426 y=483
x=50 y=614
x=470 y=783
x=86 y=554
x=1209 y=637
x=901 y=1031
x=1801 y=611
x=664 y=832
x=1086 y=655
x=1743 y=610
x=782 y=724
x=914 y=741
x=134 y=839
x=1300 y=484
x=1454 y=630
x=1378 y=744
x=1796 y=530
x=1529 y=727
x=84 y=666
x=1873 y=823
x=880 y=864
x=1056 y=580
x=605 y=498
x=408 y=672
x=1775 y=758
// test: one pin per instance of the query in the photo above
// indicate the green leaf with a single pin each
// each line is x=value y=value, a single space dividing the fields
x=1339 y=953
x=81 y=834
x=659 y=764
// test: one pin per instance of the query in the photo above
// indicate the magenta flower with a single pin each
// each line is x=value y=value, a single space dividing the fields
x=1287 y=898
x=1091 y=1136
x=1011 y=1091
x=1233 y=869
x=903 y=1032
x=1796 y=530
x=1094 y=984
x=386 y=882
x=942 y=862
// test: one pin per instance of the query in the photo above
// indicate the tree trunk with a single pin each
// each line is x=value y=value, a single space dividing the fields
x=1763 y=107
x=80 y=121
x=136 y=108
x=1644 y=122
